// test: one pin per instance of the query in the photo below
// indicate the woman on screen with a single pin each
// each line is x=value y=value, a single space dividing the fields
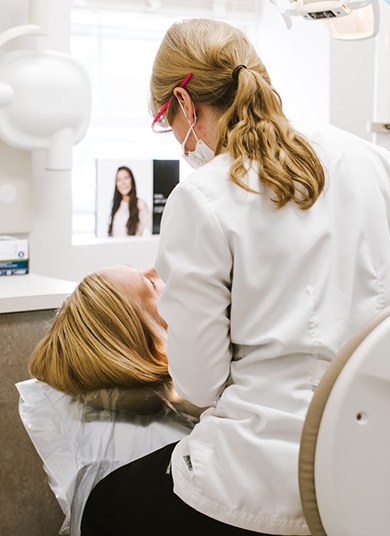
x=130 y=215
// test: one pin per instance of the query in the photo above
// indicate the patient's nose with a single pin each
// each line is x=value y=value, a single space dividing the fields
x=151 y=272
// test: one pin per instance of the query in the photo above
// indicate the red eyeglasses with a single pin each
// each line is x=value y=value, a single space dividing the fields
x=160 y=124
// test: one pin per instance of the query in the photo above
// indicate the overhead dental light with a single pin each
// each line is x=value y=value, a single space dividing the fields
x=345 y=19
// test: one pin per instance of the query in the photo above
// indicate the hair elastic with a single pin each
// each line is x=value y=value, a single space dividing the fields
x=236 y=70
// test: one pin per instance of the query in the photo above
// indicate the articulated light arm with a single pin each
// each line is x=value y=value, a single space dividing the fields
x=346 y=19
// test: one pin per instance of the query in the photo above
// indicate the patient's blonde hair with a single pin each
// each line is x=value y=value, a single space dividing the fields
x=253 y=126
x=101 y=339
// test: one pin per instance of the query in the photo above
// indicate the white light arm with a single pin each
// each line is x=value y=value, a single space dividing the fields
x=38 y=23
x=346 y=19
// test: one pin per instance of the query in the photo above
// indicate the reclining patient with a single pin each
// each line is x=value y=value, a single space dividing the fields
x=108 y=334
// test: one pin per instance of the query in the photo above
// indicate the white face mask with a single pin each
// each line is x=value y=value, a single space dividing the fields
x=202 y=153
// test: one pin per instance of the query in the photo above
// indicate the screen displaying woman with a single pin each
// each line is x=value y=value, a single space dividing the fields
x=130 y=215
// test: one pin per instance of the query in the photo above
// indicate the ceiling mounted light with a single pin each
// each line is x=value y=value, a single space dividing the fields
x=345 y=19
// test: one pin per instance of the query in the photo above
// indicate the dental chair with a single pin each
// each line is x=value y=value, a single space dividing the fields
x=344 y=459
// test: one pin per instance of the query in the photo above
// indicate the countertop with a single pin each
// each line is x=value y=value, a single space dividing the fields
x=32 y=292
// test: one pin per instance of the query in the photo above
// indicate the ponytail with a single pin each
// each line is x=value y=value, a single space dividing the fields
x=254 y=127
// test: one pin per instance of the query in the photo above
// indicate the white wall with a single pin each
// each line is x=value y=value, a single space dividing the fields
x=381 y=114
x=297 y=60
x=15 y=164
x=15 y=191
x=360 y=82
x=352 y=85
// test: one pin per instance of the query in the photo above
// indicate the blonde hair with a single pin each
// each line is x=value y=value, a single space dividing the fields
x=99 y=339
x=253 y=126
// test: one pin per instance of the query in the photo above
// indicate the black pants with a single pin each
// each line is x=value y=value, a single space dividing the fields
x=138 y=500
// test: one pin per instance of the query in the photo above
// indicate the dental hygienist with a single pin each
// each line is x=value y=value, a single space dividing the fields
x=275 y=251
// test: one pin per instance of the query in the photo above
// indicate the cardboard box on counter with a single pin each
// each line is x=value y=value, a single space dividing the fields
x=13 y=255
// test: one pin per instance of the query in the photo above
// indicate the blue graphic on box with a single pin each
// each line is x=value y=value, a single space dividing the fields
x=17 y=267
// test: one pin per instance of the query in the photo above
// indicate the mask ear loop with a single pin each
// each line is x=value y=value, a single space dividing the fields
x=191 y=129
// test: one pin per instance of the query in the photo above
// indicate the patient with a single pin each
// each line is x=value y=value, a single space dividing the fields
x=107 y=345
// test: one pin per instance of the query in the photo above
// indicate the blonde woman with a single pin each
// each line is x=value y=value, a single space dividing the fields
x=108 y=335
x=274 y=252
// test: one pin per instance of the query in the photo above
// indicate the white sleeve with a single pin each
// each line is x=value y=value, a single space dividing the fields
x=195 y=262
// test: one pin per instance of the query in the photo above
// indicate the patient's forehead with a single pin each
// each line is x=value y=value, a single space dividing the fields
x=119 y=269
x=127 y=277
x=133 y=283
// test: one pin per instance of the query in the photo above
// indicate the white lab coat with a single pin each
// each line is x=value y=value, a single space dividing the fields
x=258 y=301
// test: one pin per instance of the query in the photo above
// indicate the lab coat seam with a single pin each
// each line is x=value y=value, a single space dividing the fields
x=380 y=301
x=208 y=208
x=315 y=335
x=313 y=320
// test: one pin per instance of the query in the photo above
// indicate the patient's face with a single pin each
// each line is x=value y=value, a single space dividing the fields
x=143 y=284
